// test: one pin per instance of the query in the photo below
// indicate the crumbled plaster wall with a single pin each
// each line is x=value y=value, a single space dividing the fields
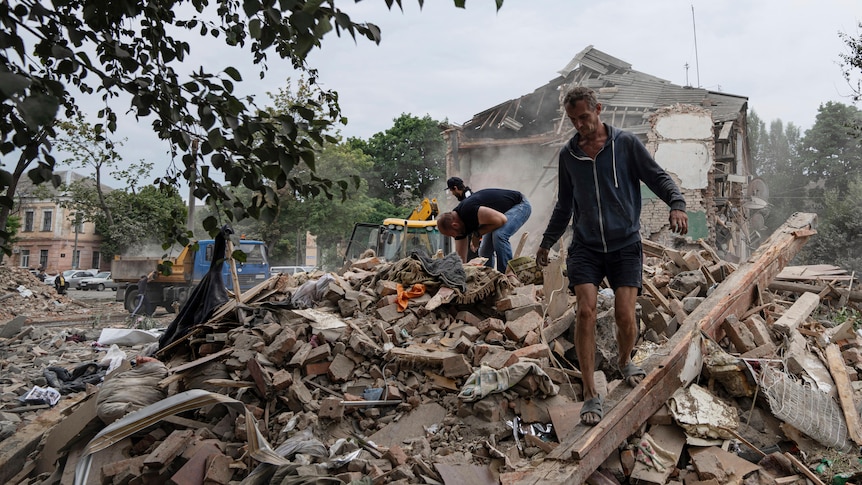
x=528 y=168
x=682 y=141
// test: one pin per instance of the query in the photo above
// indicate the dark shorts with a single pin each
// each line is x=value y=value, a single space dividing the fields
x=622 y=268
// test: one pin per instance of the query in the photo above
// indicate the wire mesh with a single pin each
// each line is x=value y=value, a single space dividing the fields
x=806 y=408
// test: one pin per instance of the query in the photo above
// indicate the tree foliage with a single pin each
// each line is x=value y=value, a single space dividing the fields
x=142 y=221
x=830 y=150
x=816 y=172
x=851 y=63
x=409 y=159
x=774 y=153
x=88 y=147
x=330 y=220
x=839 y=232
x=133 y=52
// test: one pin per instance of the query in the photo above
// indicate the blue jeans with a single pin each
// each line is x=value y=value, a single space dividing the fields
x=496 y=245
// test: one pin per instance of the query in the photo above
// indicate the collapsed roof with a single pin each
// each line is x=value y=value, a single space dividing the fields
x=628 y=98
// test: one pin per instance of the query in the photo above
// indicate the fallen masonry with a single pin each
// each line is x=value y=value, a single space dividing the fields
x=387 y=375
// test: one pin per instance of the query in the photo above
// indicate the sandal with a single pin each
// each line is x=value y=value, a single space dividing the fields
x=592 y=405
x=632 y=370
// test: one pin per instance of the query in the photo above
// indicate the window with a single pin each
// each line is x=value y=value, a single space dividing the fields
x=43 y=259
x=25 y=258
x=96 y=260
x=47 y=223
x=28 y=221
x=76 y=258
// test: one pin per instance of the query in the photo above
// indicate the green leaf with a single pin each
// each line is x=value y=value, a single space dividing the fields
x=11 y=84
x=60 y=52
x=251 y=7
x=210 y=223
x=233 y=73
x=254 y=28
x=5 y=178
x=215 y=138
x=39 y=110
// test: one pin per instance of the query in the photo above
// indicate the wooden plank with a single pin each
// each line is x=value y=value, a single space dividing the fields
x=654 y=249
x=797 y=313
x=14 y=449
x=803 y=468
x=655 y=293
x=82 y=421
x=810 y=272
x=678 y=259
x=627 y=409
x=845 y=392
x=715 y=257
x=556 y=288
x=854 y=295
x=521 y=244
x=202 y=360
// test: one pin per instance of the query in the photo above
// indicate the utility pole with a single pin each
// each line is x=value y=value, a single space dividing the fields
x=75 y=259
x=190 y=223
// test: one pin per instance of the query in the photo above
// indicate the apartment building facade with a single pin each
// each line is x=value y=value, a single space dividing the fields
x=49 y=236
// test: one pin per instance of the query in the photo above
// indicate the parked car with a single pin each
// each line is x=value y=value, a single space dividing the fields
x=73 y=276
x=72 y=281
x=99 y=282
x=66 y=274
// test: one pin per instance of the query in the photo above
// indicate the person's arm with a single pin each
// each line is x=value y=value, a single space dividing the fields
x=655 y=177
x=490 y=220
x=461 y=248
x=660 y=182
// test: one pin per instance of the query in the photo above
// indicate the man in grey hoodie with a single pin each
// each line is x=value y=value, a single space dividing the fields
x=600 y=172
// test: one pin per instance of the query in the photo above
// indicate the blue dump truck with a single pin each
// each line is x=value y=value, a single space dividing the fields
x=172 y=279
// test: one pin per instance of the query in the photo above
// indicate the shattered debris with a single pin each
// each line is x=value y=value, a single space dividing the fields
x=391 y=373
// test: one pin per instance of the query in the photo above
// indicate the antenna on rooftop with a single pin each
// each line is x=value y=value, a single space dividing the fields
x=696 y=60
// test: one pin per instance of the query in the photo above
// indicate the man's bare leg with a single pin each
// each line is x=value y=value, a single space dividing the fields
x=585 y=344
x=625 y=298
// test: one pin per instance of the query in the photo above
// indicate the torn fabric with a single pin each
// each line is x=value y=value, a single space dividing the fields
x=488 y=380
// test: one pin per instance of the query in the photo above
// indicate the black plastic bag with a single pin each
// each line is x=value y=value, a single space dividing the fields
x=204 y=299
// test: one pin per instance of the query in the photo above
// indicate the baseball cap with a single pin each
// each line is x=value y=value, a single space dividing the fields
x=454 y=182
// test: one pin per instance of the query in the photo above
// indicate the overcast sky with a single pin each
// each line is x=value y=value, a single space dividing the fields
x=451 y=63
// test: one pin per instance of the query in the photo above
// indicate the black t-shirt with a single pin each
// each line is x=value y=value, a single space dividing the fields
x=501 y=200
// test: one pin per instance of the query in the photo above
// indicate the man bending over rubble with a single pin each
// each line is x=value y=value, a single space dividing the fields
x=600 y=172
x=499 y=213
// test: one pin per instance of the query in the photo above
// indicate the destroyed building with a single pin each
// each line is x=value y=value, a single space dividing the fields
x=396 y=373
x=697 y=135
x=428 y=371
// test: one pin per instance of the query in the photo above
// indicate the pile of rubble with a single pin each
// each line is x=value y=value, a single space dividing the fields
x=21 y=293
x=395 y=373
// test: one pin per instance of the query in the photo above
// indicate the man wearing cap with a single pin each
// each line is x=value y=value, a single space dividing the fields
x=497 y=213
x=457 y=188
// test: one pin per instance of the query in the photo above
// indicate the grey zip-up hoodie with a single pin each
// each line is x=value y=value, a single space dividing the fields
x=602 y=197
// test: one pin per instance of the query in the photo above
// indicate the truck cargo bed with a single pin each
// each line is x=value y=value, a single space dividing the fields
x=130 y=269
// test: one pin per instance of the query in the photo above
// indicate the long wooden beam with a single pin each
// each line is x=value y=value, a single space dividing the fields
x=676 y=365
x=796 y=287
